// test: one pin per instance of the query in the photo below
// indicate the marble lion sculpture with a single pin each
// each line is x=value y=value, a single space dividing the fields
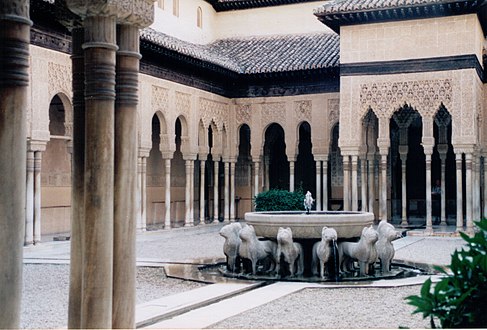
x=363 y=251
x=385 y=249
x=322 y=250
x=292 y=252
x=254 y=250
x=232 y=243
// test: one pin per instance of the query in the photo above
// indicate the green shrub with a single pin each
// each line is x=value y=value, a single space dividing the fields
x=459 y=299
x=279 y=200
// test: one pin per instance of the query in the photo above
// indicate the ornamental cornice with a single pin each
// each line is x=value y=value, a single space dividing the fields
x=132 y=12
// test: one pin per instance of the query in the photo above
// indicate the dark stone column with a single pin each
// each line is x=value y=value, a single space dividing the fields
x=99 y=51
x=78 y=179
x=124 y=266
x=14 y=80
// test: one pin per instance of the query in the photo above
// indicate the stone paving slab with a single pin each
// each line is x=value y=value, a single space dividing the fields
x=166 y=307
x=208 y=315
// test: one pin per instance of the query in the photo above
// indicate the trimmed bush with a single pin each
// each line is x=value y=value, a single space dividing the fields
x=459 y=299
x=279 y=200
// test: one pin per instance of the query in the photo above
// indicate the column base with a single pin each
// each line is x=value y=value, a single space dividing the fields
x=189 y=224
x=404 y=223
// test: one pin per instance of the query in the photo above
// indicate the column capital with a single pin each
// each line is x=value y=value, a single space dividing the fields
x=350 y=151
x=463 y=148
x=35 y=145
x=189 y=156
x=144 y=152
x=167 y=155
x=320 y=157
x=131 y=12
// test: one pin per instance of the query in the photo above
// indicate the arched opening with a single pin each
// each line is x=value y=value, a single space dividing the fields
x=305 y=173
x=276 y=174
x=335 y=172
x=56 y=174
x=406 y=130
x=243 y=173
x=178 y=178
x=370 y=135
x=155 y=179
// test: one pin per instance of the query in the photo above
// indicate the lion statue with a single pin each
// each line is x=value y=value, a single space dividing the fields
x=291 y=252
x=385 y=249
x=322 y=250
x=254 y=250
x=363 y=251
x=232 y=243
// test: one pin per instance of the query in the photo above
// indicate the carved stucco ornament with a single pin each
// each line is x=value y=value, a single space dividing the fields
x=133 y=12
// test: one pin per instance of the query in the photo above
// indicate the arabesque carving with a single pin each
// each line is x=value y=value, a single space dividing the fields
x=243 y=114
x=213 y=111
x=274 y=112
x=160 y=99
x=59 y=79
x=183 y=103
x=302 y=110
x=333 y=111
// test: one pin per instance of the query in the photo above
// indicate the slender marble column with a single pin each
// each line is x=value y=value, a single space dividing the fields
x=29 y=201
x=477 y=187
x=215 y=192
x=226 y=191
x=202 y=191
x=429 y=222
x=403 y=153
x=77 y=180
x=125 y=178
x=363 y=183
x=232 y=191
x=354 y=183
x=167 y=197
x=266 y=174
x=37 y=196
x=459 y=166
x=442 y=153
x=318 y=185
x=346 y=183
x=256 y=178
x=99 y=49
x=468 y=195
x=144 y=193
x=325 y=184
x=187 y=195
x=372 y=181
x=383 y=189
x=291 y=176
x=192 y=189
x=139 y=195
x=14 y=81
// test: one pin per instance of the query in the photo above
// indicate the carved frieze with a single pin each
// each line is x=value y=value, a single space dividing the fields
x=59 y=79
x=160 y=99
x=333 y=111
x=243 y=114
x=274 y=112
x=213 y=111
x=183 y=103
x=302 y=110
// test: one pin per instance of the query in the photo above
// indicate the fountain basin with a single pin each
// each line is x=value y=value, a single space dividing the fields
x=308 y=226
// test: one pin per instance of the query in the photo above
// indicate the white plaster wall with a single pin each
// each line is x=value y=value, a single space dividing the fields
x=422 y=38
x=286 y=19
x=184 y=27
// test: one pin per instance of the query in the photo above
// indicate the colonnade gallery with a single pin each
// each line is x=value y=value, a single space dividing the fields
x=368 y=111
x=177 y=113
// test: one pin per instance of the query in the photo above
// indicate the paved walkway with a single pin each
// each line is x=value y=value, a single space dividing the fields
x=211 y=304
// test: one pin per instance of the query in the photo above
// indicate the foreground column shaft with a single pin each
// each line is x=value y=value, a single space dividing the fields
x=29 y=203
x=37 y=196
x=125 y=181
x=99 y=46
x=14 y=78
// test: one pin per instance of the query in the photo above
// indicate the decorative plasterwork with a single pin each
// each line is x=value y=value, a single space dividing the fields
x=133 y=12
x=243 y=114
x=333 y=112
x=302 y=110
x=160 y=99
x=59 y=80
x=213 y=111
x=426 y=96
x=274 y=112
x=183 y=103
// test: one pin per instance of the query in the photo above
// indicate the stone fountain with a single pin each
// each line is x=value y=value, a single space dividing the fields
x=310 y=243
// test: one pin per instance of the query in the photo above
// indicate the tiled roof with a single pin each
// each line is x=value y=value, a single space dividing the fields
x=344 y=6
x=263 y=54
x=225 y=5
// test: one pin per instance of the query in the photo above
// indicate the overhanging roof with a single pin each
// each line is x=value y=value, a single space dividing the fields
x=226 y=5
x=348 y=12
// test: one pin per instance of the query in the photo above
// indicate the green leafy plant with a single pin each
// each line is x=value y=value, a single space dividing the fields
x=279 y=200
x=459 y=299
